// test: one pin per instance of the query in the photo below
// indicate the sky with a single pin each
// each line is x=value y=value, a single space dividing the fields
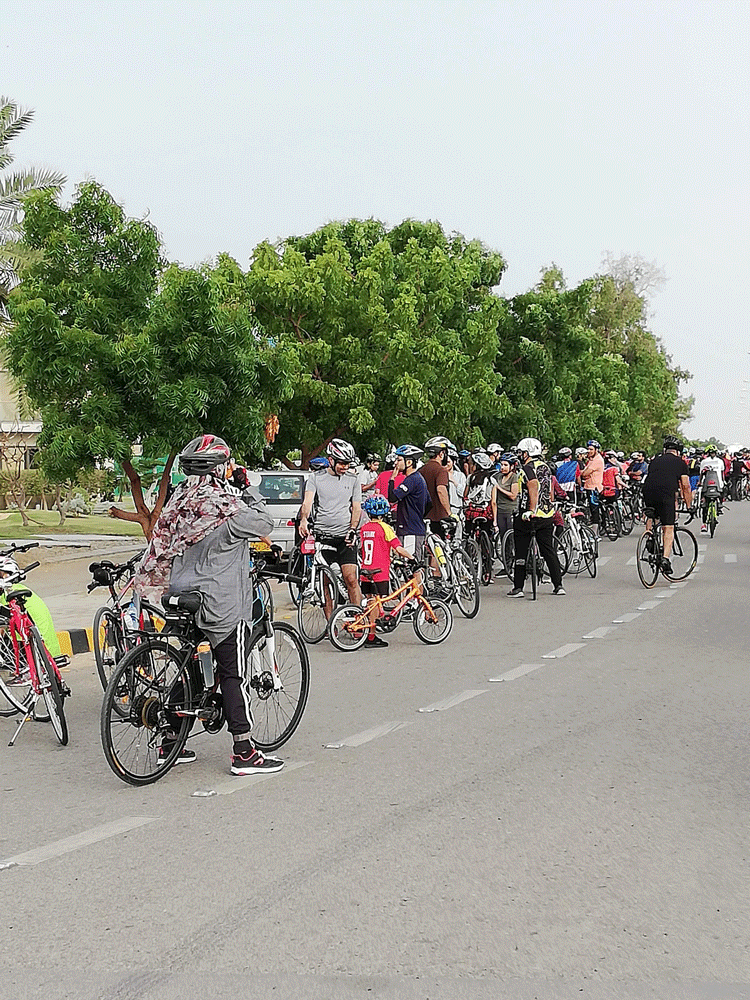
x=550 y=131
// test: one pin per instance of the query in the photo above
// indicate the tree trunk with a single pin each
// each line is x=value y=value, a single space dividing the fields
x=142 y=515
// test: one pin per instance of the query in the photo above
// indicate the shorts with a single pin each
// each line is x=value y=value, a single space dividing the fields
x=380 y=587
x=414 y=545
x=344 y=555
x=664 y=507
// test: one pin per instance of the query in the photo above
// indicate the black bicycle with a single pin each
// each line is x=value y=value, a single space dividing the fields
x=650 y=554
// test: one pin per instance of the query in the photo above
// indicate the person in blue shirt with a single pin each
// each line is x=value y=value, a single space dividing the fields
x=566 y=471
x=412 y=498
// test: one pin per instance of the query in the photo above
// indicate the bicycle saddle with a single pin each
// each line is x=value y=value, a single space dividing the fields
x=20 y=592
x=189 y=601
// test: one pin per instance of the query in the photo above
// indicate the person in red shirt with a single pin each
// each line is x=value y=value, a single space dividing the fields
x=377 y=540
x=395 y=475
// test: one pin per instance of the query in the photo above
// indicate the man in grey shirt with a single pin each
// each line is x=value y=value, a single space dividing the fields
x=338 y=512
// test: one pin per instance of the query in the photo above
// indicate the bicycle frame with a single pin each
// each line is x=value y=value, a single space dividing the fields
x=411 y=590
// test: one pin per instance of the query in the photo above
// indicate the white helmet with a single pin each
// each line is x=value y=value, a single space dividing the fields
x=532 y=446
x=492 y=448
x=340 y=451
x=8 y=566
x=482 y=460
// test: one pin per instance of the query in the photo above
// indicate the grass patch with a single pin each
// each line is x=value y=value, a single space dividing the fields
x=46 y=522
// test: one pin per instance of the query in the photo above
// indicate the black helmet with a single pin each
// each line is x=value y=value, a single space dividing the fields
x=672 y=443
x=201 y=455
x=372 y=456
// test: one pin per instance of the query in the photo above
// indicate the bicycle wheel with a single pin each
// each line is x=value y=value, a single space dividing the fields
x=589 y=549
x=684 y=555
x=532 y=562
x=471 y=546
x=348 y=628
x=627 y=517
x=435 y=625
x=266 y=596
x=647 y=561
x=509 y=553
x=276 y=714
x=110 y=643
x=467 y=585
x=297 y=567
x=51 y=687
x=143 y=709
x=485 y=551
x=713 y=520
x=15 y=685
x=312 y=619
x=611 y=522
x=562 y=549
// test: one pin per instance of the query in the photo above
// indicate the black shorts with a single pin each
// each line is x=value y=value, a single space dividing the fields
x=343 y=554
x=664 y=507
x=380 y=587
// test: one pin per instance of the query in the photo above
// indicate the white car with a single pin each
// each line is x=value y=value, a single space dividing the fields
x=284 y=491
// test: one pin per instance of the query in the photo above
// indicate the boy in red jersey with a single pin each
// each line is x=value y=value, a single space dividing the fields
x=377 y=540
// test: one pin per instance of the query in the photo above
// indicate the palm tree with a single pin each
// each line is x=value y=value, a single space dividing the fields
x=13 y=187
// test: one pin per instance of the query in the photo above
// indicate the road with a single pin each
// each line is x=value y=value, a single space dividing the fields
x=497 y=822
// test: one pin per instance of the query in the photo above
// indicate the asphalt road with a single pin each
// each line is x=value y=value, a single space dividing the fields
x=577 y=827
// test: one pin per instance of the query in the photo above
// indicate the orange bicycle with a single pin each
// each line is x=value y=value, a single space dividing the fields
x=349 y=626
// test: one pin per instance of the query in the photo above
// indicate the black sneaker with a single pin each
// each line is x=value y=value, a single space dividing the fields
x=185 y=756
x=559 y=591
x=666 y=566
x=514 y=593
x=254 y=762
x=375 y=642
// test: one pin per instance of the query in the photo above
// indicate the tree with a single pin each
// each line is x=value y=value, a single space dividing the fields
x=113 y=349
x=13 y=188
x=390 y=335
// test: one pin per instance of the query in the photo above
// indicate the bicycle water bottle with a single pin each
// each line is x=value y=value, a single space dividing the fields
x=439 y=553
x=206 y=661
x=131 y=617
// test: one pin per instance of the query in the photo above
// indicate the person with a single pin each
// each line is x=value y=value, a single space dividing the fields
x=711 y=472
x=368 y=476
x=536 y=511
x=567 y=470
x=338 y=496
x=495 y=451
x=378 y=540
x=637 y=469
x=394 y=475
x=667 y=473
x=591 y=479
x=200 y=543
x=435 y=474
x=505 y=494
x=412 y=498
x=456 y=484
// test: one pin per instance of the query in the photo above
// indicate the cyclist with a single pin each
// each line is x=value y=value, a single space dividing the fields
x=378 y=538
x=200 y=543
x=369 y=475
x=711 y=473
x=591 y=479
x=478 y=494
x=435 y=474
x=537 y=509
x=505 y=493
x=494 y=451
x=412 y=499
x=338 y=496
x=567 y=469
x=456 y=484
x=667 y=473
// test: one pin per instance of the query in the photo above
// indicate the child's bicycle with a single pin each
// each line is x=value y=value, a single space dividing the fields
x=28 y=671
x=432 y=619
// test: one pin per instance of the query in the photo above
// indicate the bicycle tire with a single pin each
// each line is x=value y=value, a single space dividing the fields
x=684 y=548
x=297 y=568
x=312 y=620
x=110 y=643
x=485 y=553
x=563 y=555
x=647 y=562
x=18 y=696
x=531 y=566
x=611 y=522
x=266 y=596
x=467 y=585
x=509 y=553
x=277 y=714
x=138 y=711
x=51 y=689
x=348 y=628
x=471 y=547
x=712 y=518
x=590 y=549
x=433 y=632
x=627 y=517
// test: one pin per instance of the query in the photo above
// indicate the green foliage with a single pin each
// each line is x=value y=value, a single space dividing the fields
x=389 y=335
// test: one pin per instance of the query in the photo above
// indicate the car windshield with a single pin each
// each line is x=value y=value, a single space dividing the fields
x=282 y=489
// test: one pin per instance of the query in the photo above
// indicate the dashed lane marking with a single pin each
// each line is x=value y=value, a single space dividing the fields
x=701 y=557
x=626 y=618
x=456 y=699
x=702 y=548
x=603 y=560
x=730 y=557
x=59 y=847
x=648 y=605
x=237 y=784
x=511 y=675
x=676 y=586
x=367 y=736
x=599 y=633
x=557 y=654
x=632 y=561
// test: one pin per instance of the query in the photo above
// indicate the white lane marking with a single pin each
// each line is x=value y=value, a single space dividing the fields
x=365 y=737
x=239 y=782
x=626 y=618
x=78 y=840
x=661 y=594
x=603 y=560
x=648 y=605
x=701 y=557
x=456 y=699
x=702 y=548
x=599 y=633
x=730 y=557
x=676 y=586
x=557 y=654
x=510 y=675
x=632 y=561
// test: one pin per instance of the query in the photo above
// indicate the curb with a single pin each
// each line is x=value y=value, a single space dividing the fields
x=76 y=640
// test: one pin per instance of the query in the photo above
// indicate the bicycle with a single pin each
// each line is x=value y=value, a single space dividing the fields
x=453 y=576
x=321 y=591
x=34 y=672
x=578 y=546
x=168 y=682
x=432 y=619
x=650 y=554
x=711 y=517
x=478 y=542
x=611 y=521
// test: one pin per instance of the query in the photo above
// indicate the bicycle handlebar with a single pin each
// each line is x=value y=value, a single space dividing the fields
x=20 y=548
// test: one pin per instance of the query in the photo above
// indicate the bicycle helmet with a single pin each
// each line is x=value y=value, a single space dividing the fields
x=341 y=451
x=318 y=463
x=710 y=450
x=409 y=451
x=492 y=448
x=437 y=444
x=565 y=452
x=672 y=443
x=8 y=566
x=510 y=458
x=634 y=454
x=482 y=460
x=390 y=455
x=376 y=505
x=580 y=451
x=532 y=446
x=593 y=443
x=464 y=453
x=372 y=456
x=202 y=455
x=620 y=455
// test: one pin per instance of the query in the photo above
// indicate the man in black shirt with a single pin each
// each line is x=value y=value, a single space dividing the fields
x=667 y=474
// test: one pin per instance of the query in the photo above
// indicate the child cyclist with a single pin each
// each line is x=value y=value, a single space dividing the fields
x=377 y=540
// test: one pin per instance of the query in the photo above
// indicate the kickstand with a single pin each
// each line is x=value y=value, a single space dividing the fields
x=29 y=715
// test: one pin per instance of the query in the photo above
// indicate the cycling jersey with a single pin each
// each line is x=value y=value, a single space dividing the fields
x=377 y=541
x=537 y=469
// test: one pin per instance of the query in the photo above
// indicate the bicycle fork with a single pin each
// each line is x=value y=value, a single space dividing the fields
x=263 y=658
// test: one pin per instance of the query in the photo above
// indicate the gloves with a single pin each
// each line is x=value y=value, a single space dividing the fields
x=350 y=536
x=527 y=515
x=239 y=478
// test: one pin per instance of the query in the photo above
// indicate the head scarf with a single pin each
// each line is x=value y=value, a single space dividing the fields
x=198 y=505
